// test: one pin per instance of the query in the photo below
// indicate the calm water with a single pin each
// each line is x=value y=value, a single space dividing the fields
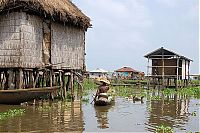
x=122 y=116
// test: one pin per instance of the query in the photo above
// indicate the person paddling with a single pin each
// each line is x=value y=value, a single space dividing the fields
x=103 y=88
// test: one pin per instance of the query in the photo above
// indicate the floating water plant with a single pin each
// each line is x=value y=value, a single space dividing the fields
x=164 y=129
x=11 y=113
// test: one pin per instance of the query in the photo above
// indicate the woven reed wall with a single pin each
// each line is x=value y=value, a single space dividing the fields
x=20 y=40
x=67 y=47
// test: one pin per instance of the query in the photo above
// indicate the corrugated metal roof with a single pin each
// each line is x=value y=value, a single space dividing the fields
x=99 y=70
x=162 y=51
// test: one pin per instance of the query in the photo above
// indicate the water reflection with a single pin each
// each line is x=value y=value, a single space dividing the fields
x=123 y=116
x=102 y=116
x=46 y=117
x=172 y=112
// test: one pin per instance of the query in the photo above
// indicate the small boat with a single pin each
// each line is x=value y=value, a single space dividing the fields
x=103 y=99
x=24 y=95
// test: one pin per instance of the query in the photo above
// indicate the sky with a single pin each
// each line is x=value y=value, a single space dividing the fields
x=123 y=31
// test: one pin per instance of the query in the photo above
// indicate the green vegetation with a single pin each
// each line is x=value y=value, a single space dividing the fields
x=190 y=92
x=126 y=81
x=154 y=95
x=89 y=84
x=11 y=113
x=164 y=129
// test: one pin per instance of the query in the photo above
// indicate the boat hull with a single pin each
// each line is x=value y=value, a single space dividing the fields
x=103 y=101
x=24 y=95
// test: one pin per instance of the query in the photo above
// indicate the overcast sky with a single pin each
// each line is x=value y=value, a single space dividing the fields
x=124 y=31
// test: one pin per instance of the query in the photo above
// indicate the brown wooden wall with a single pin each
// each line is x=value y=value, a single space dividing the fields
x=167 y=70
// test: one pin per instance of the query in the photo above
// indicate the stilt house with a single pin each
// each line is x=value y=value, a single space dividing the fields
x=166 y=68
x=40 y=37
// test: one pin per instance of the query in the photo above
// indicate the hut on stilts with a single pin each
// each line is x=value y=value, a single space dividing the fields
x=167 y=69
x=42 y=44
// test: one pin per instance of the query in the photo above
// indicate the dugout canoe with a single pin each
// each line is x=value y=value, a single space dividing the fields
x=24 y=95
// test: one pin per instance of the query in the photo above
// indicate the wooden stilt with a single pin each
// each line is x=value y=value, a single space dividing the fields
x=68 y=82
x=43 y=79
x=61 y=85
x=6 y=80
x=19 y=79
x=36 y=77
x=31 y=79
x=64 y=85
x=72 y=86
x=10 y=79
x=1 y=87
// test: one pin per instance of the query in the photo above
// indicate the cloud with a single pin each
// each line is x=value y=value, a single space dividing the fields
x=124 y=30
x=123 y=20
x=169 y=3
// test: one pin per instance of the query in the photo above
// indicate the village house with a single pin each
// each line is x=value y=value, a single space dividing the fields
x=129 y=73
x=98 y=73
x=166 y=68
x=41 y=40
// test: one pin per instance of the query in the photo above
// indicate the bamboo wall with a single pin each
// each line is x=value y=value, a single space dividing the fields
x=20 y=40
x=67 y=47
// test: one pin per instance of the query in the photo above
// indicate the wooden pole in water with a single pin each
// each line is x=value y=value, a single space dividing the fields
x=72 y=85
x=19 y=78
x=148 y=79
x=61 y=84
x=64 y=85
x=177 y=73
x=1 y=80
x=36 y=76
x=31 y=81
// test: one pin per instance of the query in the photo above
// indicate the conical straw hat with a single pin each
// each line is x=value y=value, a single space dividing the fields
x=105 y=80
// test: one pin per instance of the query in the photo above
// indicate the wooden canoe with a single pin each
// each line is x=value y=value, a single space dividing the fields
x=103 y=101
x=24 y=95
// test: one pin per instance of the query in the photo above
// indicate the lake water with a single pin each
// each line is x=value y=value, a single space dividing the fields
x=124 y=115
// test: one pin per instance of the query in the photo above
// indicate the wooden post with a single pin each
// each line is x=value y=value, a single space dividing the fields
x=51 y=78
x=10 y=78
x=72 y=85
x=163 y=71
x=36 y=76
x=61 y=84
x=68 y=82
x=1 y=87
x=19 y=78
x=148 y=82
x=177 y=73
x=51 y=83
x=43 y=76
x=54 y=78
x=188 y=73
x=64 y=85
x=31 y=79
x=167 y=82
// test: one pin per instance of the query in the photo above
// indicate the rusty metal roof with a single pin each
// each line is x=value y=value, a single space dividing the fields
x=126 y=69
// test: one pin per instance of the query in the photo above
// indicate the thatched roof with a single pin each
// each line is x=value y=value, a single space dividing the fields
x=57 y=10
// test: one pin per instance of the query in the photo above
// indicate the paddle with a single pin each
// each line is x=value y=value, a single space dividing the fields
x=93 y=99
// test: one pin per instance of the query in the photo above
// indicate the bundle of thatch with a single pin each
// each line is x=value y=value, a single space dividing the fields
x=56 y=10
